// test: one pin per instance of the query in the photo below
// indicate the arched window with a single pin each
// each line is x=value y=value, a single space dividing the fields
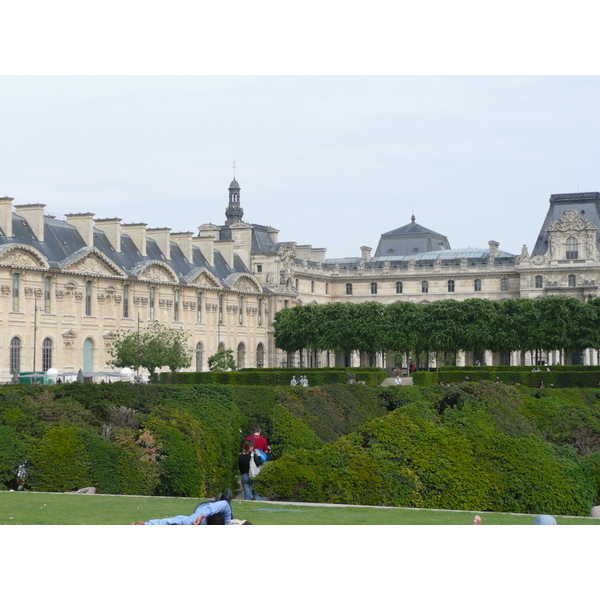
x=199 y=352
x=260 y=355
x=373 y=288
x=348 y=289
x=425 y=287
x=572 y=281
x=477 y=285
x=88 y=355
x=450 y=285
x=539 y=282
x=46 y=354
x=572 y=246
x=241 y=355
x=15 y=356
x=398 y=287
x=126 y=301
x=221 y=346
x=504 y=284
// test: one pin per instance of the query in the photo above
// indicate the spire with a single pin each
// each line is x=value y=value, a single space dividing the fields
x=234 y=212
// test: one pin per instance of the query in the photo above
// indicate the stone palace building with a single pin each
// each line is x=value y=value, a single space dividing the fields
x=68 y=284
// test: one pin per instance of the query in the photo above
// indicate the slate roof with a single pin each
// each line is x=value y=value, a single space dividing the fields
x=410 y=239
x=63 y=243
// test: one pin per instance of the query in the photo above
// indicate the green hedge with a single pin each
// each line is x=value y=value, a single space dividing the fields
x=527 y=378
x=316 y=377
x=524 y=368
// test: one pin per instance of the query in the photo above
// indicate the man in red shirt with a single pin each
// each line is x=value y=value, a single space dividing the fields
x=260 y=442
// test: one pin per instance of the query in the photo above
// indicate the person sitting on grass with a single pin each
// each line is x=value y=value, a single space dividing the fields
x=217 y=512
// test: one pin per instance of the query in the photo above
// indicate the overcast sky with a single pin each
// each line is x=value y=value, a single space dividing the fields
x=332 y=161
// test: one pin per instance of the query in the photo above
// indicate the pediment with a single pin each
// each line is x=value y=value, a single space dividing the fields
x=156 y=271
x=22 y=256
x=69 y=334
x=94 y=263
x=243 y=282
x=206 y=279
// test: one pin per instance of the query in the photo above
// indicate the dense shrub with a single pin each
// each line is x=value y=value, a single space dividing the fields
x=13 y=452
x=290 y=433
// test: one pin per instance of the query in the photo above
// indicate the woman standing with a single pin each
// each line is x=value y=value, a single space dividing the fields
x=245 y=456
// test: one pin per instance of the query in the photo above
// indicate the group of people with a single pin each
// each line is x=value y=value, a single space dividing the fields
x=302 y=381
x=255 y=449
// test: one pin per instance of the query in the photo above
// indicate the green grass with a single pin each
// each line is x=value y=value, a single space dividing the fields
x=36 y=508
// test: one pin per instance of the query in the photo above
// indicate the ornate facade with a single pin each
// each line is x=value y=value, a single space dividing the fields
x=68 y=284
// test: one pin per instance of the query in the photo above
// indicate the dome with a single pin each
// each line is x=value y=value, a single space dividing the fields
x=234 y=185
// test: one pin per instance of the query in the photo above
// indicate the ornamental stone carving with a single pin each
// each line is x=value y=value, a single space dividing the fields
x=463 y=262
x=78 y=296
x=59 y=294
x=37 y=292
x=118 y=298
x=28 y=291
x=192 y=305
x=538 y=259
x=156 y=274
x=143 y=300
x=244 y=285
x=136 y=300
x=571 y=221
x=5 y=290
x=161 y=303
x=101 y=298
x=18 y=257
x=524 y=252
x=186 y=305
x=91 y=264
x=169 y=302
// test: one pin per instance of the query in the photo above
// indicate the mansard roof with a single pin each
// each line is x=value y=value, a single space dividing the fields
x=586 y=204
x=411 y=239
x=63 y=245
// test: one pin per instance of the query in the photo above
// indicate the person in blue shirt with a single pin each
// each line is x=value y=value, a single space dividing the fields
x=217 y=512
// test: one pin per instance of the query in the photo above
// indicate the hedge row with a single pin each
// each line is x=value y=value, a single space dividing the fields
x=316 y=377
x=553 y=378
x=525 y=368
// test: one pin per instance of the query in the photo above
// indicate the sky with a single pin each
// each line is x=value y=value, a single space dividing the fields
x=331 y=161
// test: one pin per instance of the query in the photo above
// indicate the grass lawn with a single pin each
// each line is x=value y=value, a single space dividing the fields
x=35 y=508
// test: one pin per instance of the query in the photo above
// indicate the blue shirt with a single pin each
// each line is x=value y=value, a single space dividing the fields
x=207 y=509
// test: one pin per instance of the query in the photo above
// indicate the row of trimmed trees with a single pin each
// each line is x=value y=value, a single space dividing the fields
x=443 y=327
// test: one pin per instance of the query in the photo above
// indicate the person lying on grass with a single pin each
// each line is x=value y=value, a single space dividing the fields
x=217 y=512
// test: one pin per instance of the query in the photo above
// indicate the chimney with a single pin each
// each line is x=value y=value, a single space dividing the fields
x=273 y=234
x=318 y=254
x=365 y=253
x=6 y=216
x=162 y=236
x=84 y=223
x=242 y=238
x=112 y=230
x=225 y=247
x=206 y=245
x=137 y=232
x=303 y=252
x=184 y=241
x=493 y=248
x=34 y=215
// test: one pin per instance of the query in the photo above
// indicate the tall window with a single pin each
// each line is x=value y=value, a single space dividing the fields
x=88 y=298
x=199 y=308
x=151 y=303
x=327 y=288
x=539 y=281
x=297 y=284
x=572 y=248
x=15 y=292
x=126 y=301
x=259 y=312
x=450 y=285
x=15 y=355
x=241 y=355
x=176 y=305
x=425 y=287
x=199 y=352
x=312 y=287
x=260 y=356
x=46 y=354
x=572 y=281
x=373 y=288
x=241 y=309
x=504 y=284
x=221 y=308
x=47 y=290
x=398 y=287
x=477 y=285
x=348 y=289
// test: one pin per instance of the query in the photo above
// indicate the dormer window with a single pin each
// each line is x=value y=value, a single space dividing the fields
x=572 y=246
